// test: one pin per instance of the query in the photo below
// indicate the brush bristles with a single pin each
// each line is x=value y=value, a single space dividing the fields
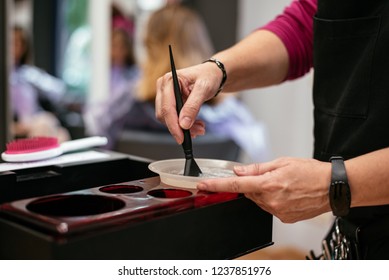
x=31 y=145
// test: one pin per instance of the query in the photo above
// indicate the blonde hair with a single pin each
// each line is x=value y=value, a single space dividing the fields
x=183 y=29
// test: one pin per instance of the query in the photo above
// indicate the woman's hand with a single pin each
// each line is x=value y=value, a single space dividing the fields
x=198 y=84
x=291 y=189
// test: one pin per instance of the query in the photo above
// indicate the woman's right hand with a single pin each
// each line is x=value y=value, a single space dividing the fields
x=198 y=84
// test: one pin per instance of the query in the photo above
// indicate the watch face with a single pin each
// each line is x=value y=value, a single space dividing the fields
x=340 y=198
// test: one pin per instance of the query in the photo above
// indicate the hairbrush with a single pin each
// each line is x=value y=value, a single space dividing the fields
x=39 y=148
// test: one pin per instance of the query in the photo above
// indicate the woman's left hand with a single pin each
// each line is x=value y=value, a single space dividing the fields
x=291 y=189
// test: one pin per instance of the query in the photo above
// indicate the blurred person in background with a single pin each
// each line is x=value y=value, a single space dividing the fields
x=30 y=88
x=123 y=64
x=103 y=118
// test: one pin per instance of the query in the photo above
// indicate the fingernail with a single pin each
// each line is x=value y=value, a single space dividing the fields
x=186 y=122
x=239 y=169
x=202 y=187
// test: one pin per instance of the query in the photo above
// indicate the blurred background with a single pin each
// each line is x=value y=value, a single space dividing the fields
x=69 y=68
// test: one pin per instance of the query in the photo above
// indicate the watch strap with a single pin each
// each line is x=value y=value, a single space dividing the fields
x=339 y=192
x=338 y=172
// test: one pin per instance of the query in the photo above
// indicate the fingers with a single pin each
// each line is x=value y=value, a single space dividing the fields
x=165 y=107
x=250 y=178
x=198 y=128
x=232 y=184
x=252 y=169
x=259 y=168
x=196 y=88
x=191 y=108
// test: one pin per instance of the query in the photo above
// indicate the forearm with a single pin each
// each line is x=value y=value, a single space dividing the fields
x=259 y=60
x=369 y=178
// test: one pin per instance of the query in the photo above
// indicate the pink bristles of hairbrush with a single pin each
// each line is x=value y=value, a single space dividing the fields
x=39 y=148
x=31 y=145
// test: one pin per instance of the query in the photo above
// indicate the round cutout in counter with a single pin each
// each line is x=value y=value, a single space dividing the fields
x=75 y=205
x=121 y=189
x=169 y=193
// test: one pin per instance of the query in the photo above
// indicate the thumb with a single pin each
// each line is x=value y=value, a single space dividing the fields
x=196 y=97
x=188 y=114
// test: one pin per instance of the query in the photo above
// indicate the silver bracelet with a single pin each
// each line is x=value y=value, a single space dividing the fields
x=221 y=67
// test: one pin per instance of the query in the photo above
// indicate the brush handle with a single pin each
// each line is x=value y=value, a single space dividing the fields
x=84 y=143
x=187 y=144
x=176 y=84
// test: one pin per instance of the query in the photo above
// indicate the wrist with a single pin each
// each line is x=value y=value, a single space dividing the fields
x=220 y=65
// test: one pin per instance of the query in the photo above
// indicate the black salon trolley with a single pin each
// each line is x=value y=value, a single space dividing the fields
x=115 y=208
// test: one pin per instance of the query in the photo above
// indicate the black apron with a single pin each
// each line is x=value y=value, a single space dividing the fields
x=351 y=84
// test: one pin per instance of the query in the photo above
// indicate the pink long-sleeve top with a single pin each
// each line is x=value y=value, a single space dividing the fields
x=295 y=28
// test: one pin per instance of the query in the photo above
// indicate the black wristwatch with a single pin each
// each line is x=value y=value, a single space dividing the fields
x=340 y=195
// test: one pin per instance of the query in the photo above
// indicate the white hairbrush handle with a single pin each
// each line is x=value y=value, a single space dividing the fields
x=84 y=143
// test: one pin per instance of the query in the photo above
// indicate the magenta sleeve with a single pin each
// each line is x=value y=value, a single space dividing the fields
x=295 y=28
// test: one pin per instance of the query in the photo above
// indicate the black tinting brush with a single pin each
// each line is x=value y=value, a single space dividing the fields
x=191 y=167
